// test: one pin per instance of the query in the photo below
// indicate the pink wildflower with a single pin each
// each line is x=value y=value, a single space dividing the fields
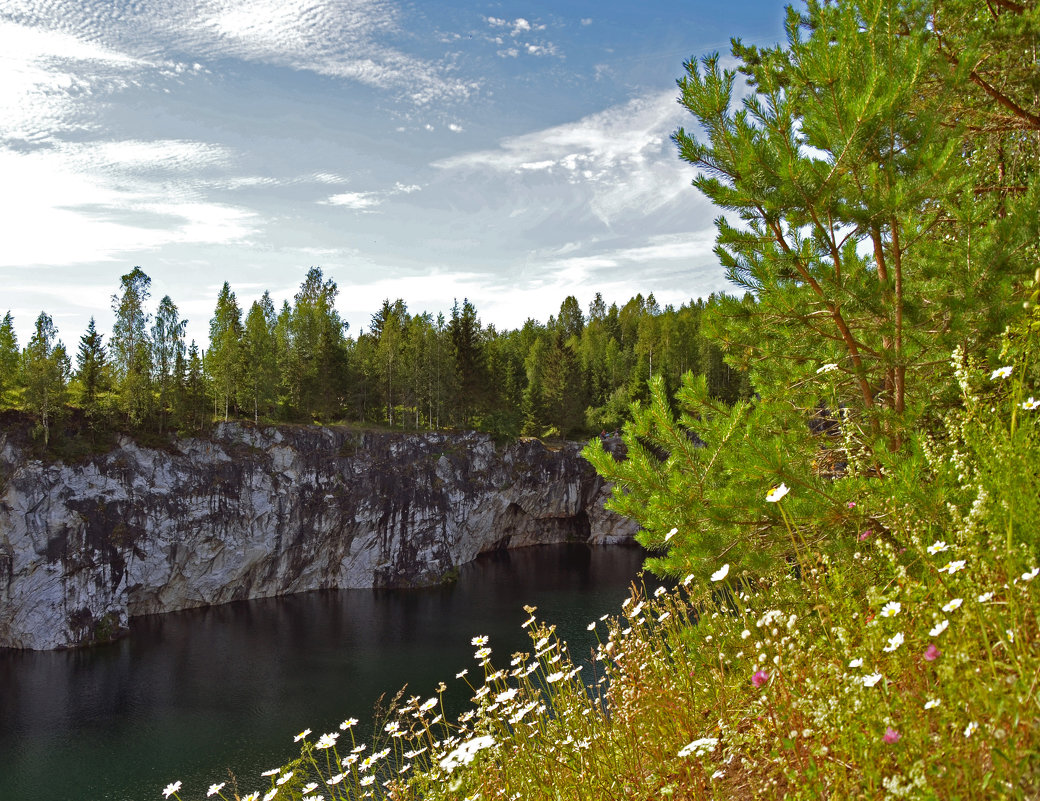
x=866 y=534
x=891 y=735
x=851 y=504
x=760 y=678
x=932 y=653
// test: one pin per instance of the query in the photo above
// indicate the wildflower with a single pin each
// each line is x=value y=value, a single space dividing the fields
x=346 y=724
x=171 y=789
x=970 y=729
x=938 y=628
x=272 y=772
x=508 y=695
x=482 y=653
x=283 y=778
x=745 y=634
x=271 y=794
x=776 y=493
x=367 y=780
x=871 y=680
x=891 y=609
x=1030 y=404
x=937 y=547
x=855 y=663
x=760 y=678
x=894 y=642
x=301 y=735
x=866 y=534
x=659 y=592
x=671 y=534
x=308 y=788
x=827 y=368
x=1029 y=575
x=461 y=673
x=1001 y=372
x=702 y=746
x=481 y=640
x=465 y=753
x=335 y=779
x=214 y=789
x=953 y=567
x=986 y=596
x=552 y=678
x=891 y=735
x=252 y=797
x=851 y=505
x=721 y=573
x=932 y=703
x=953 y=605
x=329 y=740
x=931 y=653
x=1010 y=634
x=686 y=581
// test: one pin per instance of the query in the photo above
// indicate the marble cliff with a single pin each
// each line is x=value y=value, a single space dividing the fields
x=258 y=512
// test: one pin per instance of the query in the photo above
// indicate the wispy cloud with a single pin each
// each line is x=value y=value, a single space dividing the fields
x=622 y=156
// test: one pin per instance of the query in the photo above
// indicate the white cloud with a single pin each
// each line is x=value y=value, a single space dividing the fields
x=622 y=156
x=359 y=201
x=81 y=203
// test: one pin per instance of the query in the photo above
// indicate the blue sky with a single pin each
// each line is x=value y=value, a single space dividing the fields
x=510 y=152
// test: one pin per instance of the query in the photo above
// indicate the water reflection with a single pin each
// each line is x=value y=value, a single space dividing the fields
x=191 y=694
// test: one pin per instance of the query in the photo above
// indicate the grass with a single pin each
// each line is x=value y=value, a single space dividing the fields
x=910 y=670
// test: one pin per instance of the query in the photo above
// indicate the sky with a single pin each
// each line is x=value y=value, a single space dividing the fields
x=511 y=153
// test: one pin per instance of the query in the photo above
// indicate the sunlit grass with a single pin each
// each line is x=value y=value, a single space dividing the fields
x=909 y=670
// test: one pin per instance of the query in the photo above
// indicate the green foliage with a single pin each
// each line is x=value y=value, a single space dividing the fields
x=45 y=367
x=130 y=348
x=8 y=355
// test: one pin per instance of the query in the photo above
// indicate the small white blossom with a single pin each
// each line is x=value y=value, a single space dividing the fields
x=721 y=573
x=953 y=567
x=891 y=609
x=671 y=534
x=214 y=789
x=953 y=605
x=827 y=368
x=855 y=663
x=1030 y=404
x=871 y=680
x=932 y=704
x=301 y=735
x=894 y=642
x=1001 y=372
x=776 y=493
x=938 y=628
x=480 y=640
x=986 y=596
x=346 y=724
x=937 y=547
x=170 y=789
x=1029 y=575
x=971 y=727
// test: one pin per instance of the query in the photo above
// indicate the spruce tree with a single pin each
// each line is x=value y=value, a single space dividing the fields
x=8 y=356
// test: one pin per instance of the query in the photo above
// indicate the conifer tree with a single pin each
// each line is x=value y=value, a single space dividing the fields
x=259 y=358
x=92 y=372
x=224 y=359
x=8 y=356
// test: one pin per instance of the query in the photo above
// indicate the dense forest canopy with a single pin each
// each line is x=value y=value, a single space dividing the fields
x=575 y=375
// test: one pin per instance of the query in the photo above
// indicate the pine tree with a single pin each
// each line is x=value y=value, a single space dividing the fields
x=223 y=359
x=259 y=358
x=92 y=372
x=8 y=356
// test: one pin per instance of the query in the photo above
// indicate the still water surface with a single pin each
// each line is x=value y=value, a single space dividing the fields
x=191 y=695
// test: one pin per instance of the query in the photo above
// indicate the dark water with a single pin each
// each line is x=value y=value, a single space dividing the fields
x=190 y=695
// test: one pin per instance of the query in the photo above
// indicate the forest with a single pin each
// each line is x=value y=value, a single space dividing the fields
x=573 y=376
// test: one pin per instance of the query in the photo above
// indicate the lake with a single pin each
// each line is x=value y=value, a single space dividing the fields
x=191 y=695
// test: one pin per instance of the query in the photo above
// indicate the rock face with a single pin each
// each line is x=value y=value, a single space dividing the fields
x=258 y=512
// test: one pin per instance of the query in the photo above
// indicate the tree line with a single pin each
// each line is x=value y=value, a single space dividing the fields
x=575 y=375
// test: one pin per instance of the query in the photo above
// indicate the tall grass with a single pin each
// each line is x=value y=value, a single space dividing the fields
x=911 y=670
